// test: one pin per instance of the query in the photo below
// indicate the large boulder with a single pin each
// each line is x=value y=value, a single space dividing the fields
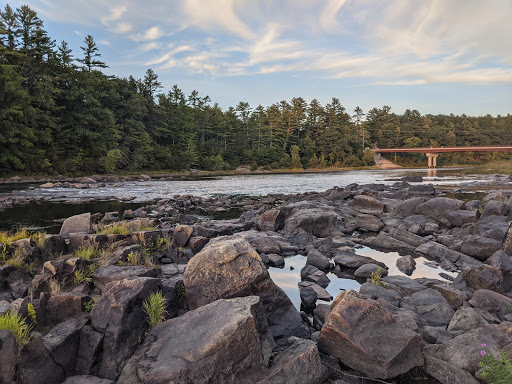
x=368 y=205
x=76 y=224
x=319 y=220
x=480 y=248
x=492 y=302
x=445 y=372
x=483 y=277
x=226 y=341
x=502 y=262
x=441 y=252
x=120 y=316
x=229 y=267
x=407 y=207
x=436 y=208
x=368 y=223
x=369 y=338
x=431 y=306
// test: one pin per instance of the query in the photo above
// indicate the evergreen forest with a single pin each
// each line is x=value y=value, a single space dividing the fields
x=60 y=114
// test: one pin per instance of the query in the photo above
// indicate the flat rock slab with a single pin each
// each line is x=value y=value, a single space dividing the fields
x=223 y=342
x=321 y=293
x=346 y=259
x=368 y=205
x=103 y=276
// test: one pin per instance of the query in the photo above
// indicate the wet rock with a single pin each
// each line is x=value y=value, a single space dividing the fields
x=272 y=220
x=484 y=277
x=62 y=343
x=36 y=365
x=367 y=270
x=203 y=346
x=119 y=315
x=350 y=331
x=406 y=264
x=76 y=224
x=229 y=267
x=466 y=319
x=317 y=259
x=431 y=306
x=8 y=354
x=480 y=247
x=368 y=205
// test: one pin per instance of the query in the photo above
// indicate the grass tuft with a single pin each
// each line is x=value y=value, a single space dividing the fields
x=18 y=327
x=154 y=307
x=88 y=252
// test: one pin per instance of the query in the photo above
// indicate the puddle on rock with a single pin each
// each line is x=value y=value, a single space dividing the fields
x=288 y=279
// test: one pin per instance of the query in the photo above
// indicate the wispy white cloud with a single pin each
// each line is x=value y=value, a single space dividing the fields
x=152 y=33
x=330 y=12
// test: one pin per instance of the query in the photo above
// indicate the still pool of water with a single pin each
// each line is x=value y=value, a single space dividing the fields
x=288 y=279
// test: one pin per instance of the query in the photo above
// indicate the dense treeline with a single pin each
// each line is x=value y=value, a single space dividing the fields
x=61 y=114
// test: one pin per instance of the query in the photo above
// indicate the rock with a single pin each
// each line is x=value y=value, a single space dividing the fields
x=299 y=364
x=406 y=264
x=494 y=208
x=503 y=263
x=350 y=332
x=47 y=185
x=368 y=205
x=105 y=275
x=367 y=270
x=86 y=379
x=480 y=247
x=368 y=223
x=447 y=373
x=483 y=277
x=407 y=237
x=422 y=189
x=507 y=243
x=196 y=243
x=375 y=292
x=317 y=219
x=321 y=293
x=348 y=259
x=272 y=220
x=453 y=295
x=436 y=208
x=466 y=319
x=407 y=207
x=144 y=178
x=412 y=179
x=76 y=224
x=308 y=297
x=64 y=306
x=62 y=343
x=320 y=314
x=89 y=351
x=36 y=366
x=319 y=278
x=88 y=180
x=441 y=253
x=5 y=307
x=431 y=306
x=119 y=315
x=436 y=335
x=181 y=235
x=275 y=261
x=316 y=259
x=385 y=242
x=8 y=355
x=492 y=302
x=229 y=267
x=458 y=218
x=204 y=346
x=403 y=285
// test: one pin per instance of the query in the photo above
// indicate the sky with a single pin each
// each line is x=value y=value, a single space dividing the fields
x=436 y=56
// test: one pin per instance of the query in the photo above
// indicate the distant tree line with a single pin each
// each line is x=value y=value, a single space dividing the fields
x=61 y=114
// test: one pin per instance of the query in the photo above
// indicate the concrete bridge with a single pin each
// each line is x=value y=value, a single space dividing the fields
x=433 y=152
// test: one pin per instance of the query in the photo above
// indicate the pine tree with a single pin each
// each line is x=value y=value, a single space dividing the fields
x=90 y=53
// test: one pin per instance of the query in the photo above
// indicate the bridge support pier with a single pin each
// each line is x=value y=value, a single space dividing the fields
x=432 y=160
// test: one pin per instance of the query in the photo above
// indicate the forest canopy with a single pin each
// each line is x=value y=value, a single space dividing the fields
x=60 y=114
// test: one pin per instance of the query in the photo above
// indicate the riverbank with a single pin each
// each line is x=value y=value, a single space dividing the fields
x=87 y=285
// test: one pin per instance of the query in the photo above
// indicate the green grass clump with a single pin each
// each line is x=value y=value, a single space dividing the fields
x=8 y=238
x=154 y=307
x=376 y=276
x=18 y=327
x=115 y=229
x=39 y=238
x=17 y=260
x=88 y=252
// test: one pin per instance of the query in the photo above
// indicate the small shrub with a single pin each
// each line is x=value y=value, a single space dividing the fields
x=90 y=304
x=376 y=276
x=32 y=313
x=88 y=252
x=54 y=286
x=18 y=327
x=154 y=307
x=80 y=277
x=496 y=370
x=115 y=229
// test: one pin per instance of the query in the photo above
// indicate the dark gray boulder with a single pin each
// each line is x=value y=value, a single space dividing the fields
x=431 y=306
x=406 y=264
x=368 y=205
x=348 y=259
x=407 y=207
x=204 y=346
x=367 y=270
x=317 y=259
x=8 y=355
x=111 y=273
x=480 y=248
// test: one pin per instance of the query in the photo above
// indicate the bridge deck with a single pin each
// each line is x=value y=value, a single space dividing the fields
x=495 y=148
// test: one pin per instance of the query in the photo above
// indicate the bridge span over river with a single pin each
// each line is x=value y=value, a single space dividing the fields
x=433 y=152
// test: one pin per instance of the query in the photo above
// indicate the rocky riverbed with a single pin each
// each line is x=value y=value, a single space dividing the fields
x=227 y=321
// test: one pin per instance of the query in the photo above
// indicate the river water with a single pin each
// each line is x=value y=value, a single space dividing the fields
x=66 y=202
